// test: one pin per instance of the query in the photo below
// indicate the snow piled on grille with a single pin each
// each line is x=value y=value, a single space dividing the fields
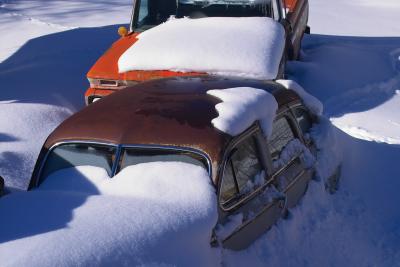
x=149 y=214
x=241 y=107
x=249 y=47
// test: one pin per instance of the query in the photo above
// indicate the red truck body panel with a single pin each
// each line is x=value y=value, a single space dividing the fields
x=108 y=79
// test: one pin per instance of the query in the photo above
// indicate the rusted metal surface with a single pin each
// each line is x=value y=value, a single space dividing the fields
x=170 y=111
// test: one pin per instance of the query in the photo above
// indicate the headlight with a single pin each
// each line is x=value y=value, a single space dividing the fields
x=104 y=83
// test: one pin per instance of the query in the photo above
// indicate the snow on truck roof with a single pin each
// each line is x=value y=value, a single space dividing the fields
x=249 y=47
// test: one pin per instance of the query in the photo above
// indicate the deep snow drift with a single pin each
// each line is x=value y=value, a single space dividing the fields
x=148 y=214
x=43 y=62
x=357 y=80
x=24 y=20
x=355 y=18
x=24 y=128
x=310 y=101
x=248 y=47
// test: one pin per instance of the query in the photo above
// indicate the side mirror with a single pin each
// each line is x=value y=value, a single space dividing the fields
x=1 y=186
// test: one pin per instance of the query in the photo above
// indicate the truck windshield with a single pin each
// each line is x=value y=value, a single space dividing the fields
x=149 y=13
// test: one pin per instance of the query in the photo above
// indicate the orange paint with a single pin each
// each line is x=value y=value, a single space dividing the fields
x=106 y=68
x=290 y=4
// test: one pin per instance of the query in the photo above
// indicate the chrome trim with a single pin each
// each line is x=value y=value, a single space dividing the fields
x=38 y=176
x=283 y=112
x=260 y=213
x=251 y=131
x=286 y=166
x=132 y=15
x=302 y=106
x=175 y=148
x=116 y=161
x=295 y=180
x=119 y=148
x=110 y=83
x=247 y=197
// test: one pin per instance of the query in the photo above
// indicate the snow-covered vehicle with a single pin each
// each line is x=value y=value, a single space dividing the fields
x=106 y=75
x=260 y=166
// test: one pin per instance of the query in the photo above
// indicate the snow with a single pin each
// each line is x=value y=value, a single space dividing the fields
x=356 y=79
x=313 y=104
x=21 y=21
x=248 y=47
x=80 y=179
x=294 y=148
x=149 y=214
x=355 y=18
x=222 y=231
x=45 y=53
x=24 y=128
x=363 y=124
x=241 y=107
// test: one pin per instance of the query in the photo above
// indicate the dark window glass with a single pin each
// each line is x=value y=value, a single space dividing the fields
x=73 y=155
x=246 y=163
x=243 y=173
x=228 y=9
x=228 y=186
x=281 y=135
x=133 y=156
x=303 y=119
x=154 y=12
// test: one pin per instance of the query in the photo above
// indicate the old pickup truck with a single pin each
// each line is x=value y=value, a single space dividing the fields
x=104 y=76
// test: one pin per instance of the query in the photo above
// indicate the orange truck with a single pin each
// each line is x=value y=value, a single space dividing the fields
x=104 y=77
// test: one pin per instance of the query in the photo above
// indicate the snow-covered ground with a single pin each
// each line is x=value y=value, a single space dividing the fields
x=350 y=62
x=135 y=219
x=355 y=18
x=46 y=49
x=358 y=80
x=24 y=20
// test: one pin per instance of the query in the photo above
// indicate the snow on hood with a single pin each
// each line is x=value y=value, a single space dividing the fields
x=149 y=214
x=247 y=46
x=313 y=104
x=241 y=107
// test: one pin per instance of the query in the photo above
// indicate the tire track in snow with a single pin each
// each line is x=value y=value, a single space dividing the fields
x=7 y=11
x=379 y=122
